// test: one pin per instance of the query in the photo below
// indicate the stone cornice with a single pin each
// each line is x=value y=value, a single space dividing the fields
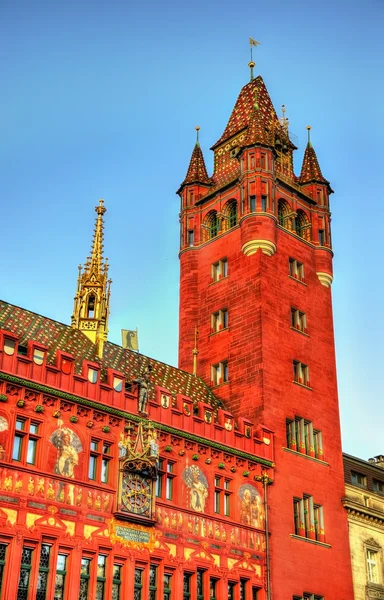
x=363 y=513
x=129 y=416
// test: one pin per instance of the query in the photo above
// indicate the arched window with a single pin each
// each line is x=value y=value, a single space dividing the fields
x=213 y=225
x=232 y=214
x=301 y=223
x=91 y=307
x=282 y=212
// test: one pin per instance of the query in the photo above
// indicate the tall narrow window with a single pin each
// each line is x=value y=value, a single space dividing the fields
x=167 y=594
x=232 y=214
x=91 y=307
x=25 y=573
x=252 y=203
x=138 y=586
x=152 y=582
x=3 y=551
x=321 y=237
x=243 y=589
x=255 y=593
x=116 y=582
x=213 y=225
x=61 y=572
x=231 y=590
x=84 y=578
x=186 y=586
x=264 y=203
x=100 y=581
x=200 y=584
x=372 y=566
x=42 y=580
x=191 y=237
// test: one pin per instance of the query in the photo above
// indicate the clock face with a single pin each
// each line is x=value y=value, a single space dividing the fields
x=136 y=494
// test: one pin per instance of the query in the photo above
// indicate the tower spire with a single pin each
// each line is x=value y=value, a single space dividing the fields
x=310 y=169
x=97 y=244
x=91 y=306
x=197 y=171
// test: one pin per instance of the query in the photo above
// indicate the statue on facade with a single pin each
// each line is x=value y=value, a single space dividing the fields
x=143 y=383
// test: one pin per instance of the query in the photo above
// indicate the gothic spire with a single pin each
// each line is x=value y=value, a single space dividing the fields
x=310 y=170
x=197 y=172
x=91 y=306
x=96 y=258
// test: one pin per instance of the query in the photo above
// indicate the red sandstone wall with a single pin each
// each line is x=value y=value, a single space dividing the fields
x=260 y=347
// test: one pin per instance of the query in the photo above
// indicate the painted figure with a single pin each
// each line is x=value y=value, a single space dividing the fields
x=68 y=447
x=251 y=508
x=3 y=424
x=198 y=486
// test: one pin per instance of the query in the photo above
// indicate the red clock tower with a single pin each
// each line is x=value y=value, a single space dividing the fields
x=256 y=271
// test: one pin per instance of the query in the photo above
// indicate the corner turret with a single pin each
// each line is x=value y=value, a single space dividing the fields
x=91 y=306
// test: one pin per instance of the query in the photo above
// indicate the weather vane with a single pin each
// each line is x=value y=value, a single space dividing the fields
x=251 y=64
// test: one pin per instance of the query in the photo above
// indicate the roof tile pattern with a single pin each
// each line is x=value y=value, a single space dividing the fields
x=57 y=336
x=197 y=172
x=244 y=106
x=256 y=133
x=310 y=170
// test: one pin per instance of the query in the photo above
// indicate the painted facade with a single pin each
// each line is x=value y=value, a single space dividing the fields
x=98 y=500
x=256 y=271
x=364 y=504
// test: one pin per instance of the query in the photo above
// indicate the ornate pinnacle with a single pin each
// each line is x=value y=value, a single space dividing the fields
x=97 y=246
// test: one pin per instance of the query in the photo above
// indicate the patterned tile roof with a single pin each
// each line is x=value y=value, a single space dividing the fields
x=57 y=336
x=310 y=170
x=197 y=172
x=243 y=109
x=256 y=133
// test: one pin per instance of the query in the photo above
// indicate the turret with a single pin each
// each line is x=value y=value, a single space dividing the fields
x=91 y=306
x=195 y=185
x=318 y=188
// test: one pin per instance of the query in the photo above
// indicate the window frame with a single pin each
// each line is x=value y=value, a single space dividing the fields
x=359 y=484
x=219 y=320
x=100 y=459
x=27 y=439
x=301 y=373
x=219 y=270
x=164 y=487
x=296 y=270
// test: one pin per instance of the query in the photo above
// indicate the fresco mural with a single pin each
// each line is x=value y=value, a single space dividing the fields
x=251 y=506
x=68 y=447
x=197 y=484
x=4 y=426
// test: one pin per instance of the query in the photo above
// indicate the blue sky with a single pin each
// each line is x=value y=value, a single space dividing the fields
x=101 y=99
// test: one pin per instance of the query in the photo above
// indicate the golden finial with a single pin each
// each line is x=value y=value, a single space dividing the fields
x=251 y=64
x=197 y=134
x=309 y=133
